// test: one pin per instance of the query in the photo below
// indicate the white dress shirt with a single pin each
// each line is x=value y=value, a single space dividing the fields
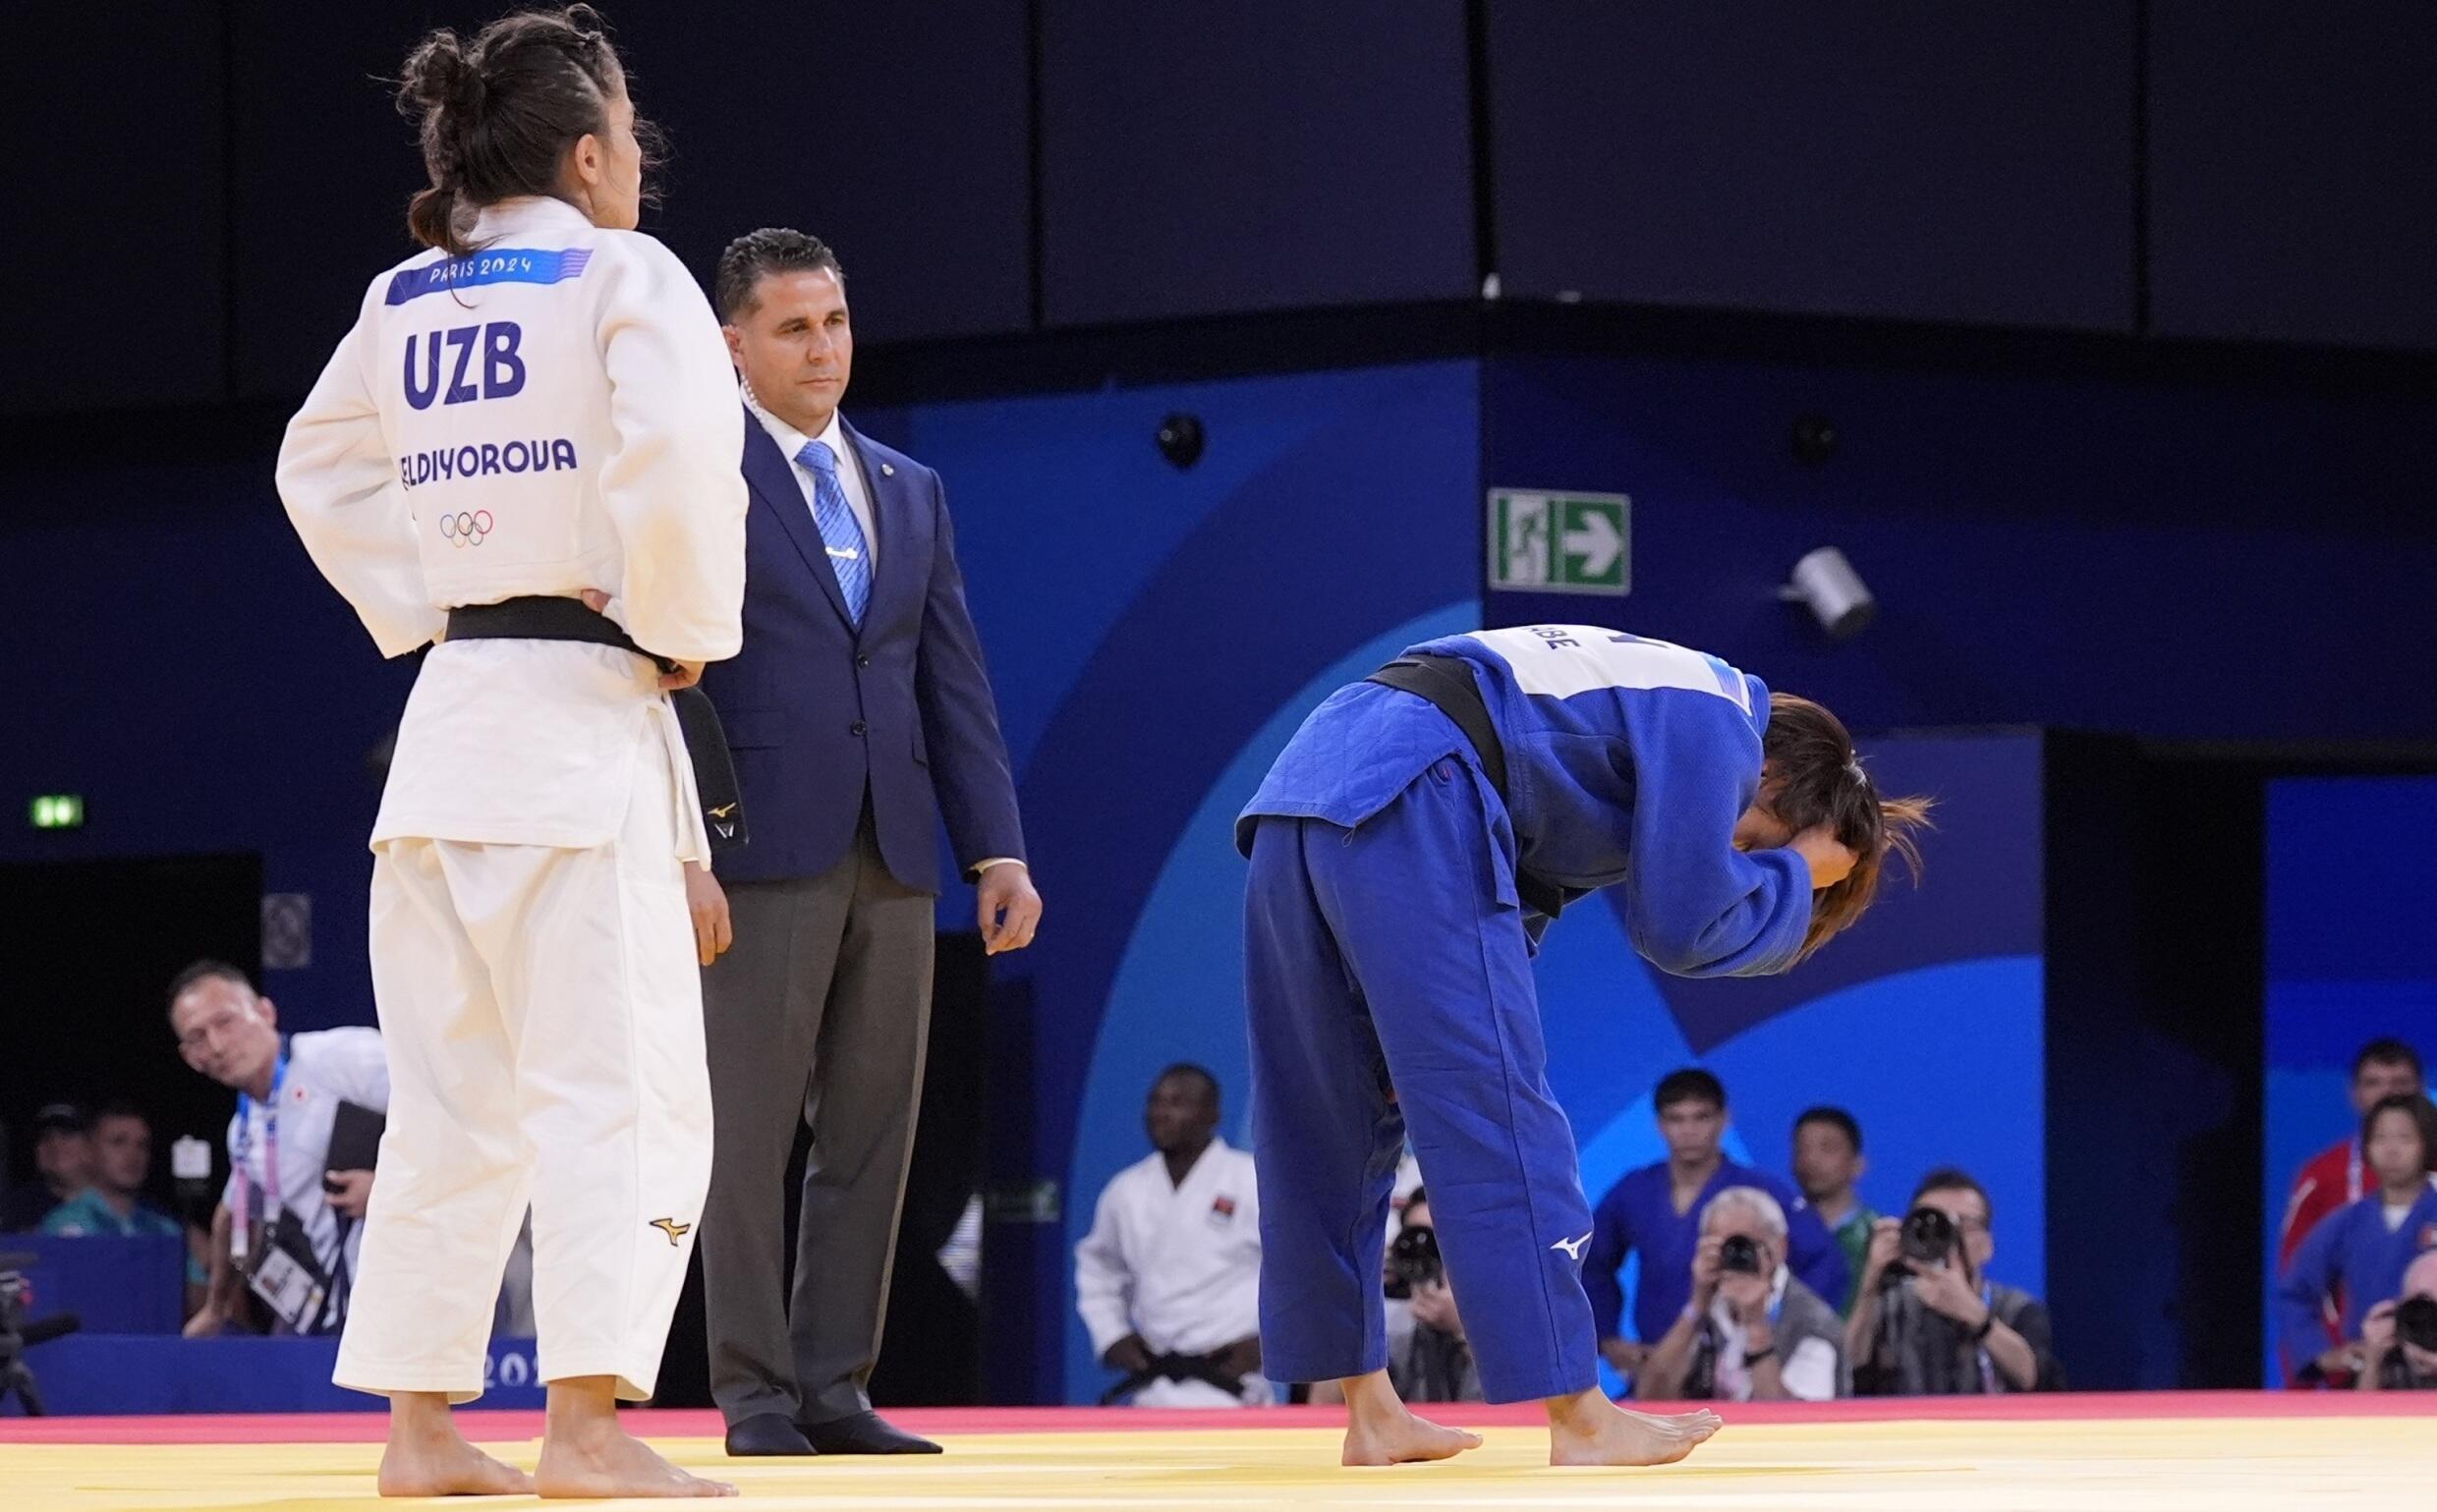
x=849 y=474
x=325 y=1068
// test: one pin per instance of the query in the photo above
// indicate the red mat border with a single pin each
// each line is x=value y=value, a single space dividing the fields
x=513 y=1427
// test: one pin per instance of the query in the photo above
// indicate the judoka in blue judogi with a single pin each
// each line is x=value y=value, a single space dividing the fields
x=1395 y=899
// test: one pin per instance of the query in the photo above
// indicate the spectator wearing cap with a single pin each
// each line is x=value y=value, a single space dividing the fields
x=63 y=1159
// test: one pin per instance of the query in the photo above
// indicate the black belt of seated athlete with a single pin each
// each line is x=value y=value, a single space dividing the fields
x=1446 y=681
x=1201 y=1368
x=537 y=617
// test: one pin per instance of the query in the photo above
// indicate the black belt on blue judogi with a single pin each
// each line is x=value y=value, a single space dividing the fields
x=537 y=617
x=1446 y=682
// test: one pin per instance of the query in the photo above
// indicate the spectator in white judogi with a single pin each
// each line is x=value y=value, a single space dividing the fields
x=1169 y=1278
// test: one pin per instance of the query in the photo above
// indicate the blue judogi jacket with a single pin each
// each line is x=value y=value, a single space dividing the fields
x=2353 y=1248
x=1628 y=761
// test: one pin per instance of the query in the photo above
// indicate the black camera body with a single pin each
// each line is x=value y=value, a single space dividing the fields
x=2416 y=1323
x=1739 y=1255
x=1415 y=1257
x=1927 y=1237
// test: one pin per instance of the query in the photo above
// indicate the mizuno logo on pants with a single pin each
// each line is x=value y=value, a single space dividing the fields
x=1573 y=1247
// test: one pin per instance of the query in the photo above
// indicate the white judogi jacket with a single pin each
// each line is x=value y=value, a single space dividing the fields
x=554 y=412
x=1178 y=1265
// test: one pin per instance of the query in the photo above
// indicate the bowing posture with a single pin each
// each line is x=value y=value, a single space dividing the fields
x=1408 y=847
x=534 y=409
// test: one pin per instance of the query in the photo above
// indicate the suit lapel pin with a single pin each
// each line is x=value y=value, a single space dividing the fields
x=888 y=470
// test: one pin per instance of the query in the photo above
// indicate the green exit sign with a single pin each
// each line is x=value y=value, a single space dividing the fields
x=1560 y=542
x=56 y=811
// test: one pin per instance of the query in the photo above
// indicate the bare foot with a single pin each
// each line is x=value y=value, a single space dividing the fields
x=1401 y=1439
x=1600 y=1432
x=445 y=1465
x=605 y=1460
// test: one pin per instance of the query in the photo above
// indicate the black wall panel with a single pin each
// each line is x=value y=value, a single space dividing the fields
x=1267 y=155
x=2293 y=171
x=1911 y=159
x=116 y=246
x=325 y=165
x=898 y=133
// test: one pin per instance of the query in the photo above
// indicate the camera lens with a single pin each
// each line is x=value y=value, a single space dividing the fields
x=2416 y=1323
x=1928 y=1236
x=1415 y=1255
x=1740 y=1253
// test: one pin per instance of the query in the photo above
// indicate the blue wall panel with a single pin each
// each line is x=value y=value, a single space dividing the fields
x=1914 y=160
x=2351 y=958
x=2172 y=561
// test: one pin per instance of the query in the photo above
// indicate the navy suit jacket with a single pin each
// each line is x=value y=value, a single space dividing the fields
x=818 y=713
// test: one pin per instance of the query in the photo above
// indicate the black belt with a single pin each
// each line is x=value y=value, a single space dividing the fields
x=541 y=618
x=1177 y=1368
x=1446 y=682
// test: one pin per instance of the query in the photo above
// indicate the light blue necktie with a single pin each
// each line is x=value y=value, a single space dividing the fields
x=850 y=556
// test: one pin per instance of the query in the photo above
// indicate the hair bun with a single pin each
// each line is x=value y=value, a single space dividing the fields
x=438 y=74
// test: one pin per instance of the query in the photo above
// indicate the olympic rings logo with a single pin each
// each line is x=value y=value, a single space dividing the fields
x=465 y=529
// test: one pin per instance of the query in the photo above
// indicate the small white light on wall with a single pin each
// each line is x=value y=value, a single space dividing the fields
x=1825 y=583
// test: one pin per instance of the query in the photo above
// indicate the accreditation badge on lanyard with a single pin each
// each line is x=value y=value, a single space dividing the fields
x=286 y=1274
x=240 y=1230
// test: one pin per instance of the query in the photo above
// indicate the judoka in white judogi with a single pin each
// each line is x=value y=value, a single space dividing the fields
x=1179 y=1263
x=553 y=412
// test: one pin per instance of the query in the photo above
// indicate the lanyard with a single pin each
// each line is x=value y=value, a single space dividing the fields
x=1988 y=1366
x=270 y=1148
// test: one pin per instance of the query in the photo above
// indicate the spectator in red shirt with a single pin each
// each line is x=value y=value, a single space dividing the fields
x=2333 y=1178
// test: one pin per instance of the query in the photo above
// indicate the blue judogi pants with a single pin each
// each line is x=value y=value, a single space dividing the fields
x=1389 y=989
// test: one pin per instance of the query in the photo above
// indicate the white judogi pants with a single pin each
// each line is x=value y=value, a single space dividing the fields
x=544 y=1019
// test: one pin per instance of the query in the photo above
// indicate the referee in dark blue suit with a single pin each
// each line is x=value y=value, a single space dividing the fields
x=861 y=716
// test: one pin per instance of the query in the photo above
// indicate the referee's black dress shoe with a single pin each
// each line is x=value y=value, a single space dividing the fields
x=767 y=1432
x=863 y=1434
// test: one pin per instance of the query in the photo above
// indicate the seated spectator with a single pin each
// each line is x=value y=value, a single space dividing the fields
x=1433 y=1361
x=1828 y=1162
x=2398 y=1337
x=289 y=1093
x=114 y=1204
x=2361 y=1253
x=63 y=1163
x=1928 y=1322
x=2334 y=1177
x=1752 y=1331
x=1169 y=1278
x=1657 y=1210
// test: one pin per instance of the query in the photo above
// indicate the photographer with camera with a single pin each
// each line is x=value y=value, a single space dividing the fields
x=1752 y=1331
x=2399 y=1338
x=1433 y=1362
x=1928 y=1321
x=2359 y=1257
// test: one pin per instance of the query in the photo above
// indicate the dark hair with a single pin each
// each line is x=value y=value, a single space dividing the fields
x=2387 y=1051
x=205 y=969
x=1954 y=1178
x=1191 y=1072
x=1686 y=1085
x=1819 y=780
x=1835 y=1117
x=2423 y=1117
x=755 y=255
x=119 y=1108
x=498 y=114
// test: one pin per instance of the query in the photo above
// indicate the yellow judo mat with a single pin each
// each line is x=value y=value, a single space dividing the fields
x=2200 y=1464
